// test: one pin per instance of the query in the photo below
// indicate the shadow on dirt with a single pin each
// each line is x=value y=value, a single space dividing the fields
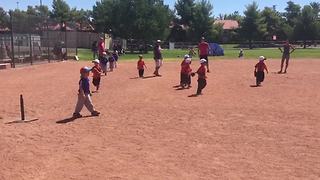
x=71 y=119
x=21 y=121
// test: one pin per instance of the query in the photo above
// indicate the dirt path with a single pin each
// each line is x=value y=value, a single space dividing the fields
x=149 y=130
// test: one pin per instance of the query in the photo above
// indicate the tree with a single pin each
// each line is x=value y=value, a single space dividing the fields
x=274 y=23
x=202 y=21
x=307 y=25
x=292 y=13
x=4 y=18
x=252 y=26
x=185 y=9
x=233 y=16
x=60 y=11
x=316 y=9
x=134 y=19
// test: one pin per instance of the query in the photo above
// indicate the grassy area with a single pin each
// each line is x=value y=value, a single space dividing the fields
x=230 y=53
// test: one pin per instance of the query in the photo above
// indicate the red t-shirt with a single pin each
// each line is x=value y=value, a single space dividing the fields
x=185 y=67
x=261 y=66
x=101 y=48
x=96 y=71
x=202 y=72
x=203 y=48
x=140 y=64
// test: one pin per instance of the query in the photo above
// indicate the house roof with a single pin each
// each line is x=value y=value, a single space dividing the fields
x=228 y=24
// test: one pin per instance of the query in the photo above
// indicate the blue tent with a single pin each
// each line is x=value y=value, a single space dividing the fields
x=215 y=50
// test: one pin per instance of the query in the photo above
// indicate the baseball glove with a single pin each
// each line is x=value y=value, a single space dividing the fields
x=193 y=74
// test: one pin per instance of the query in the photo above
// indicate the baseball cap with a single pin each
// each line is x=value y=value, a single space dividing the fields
x=186 y=56
x=203 y=61
x=85 y=69
x=262 y=58
x=158 y=41
x=140 y=55
x=96 y=61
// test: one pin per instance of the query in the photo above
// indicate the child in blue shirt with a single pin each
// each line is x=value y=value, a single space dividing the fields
x=84 y=96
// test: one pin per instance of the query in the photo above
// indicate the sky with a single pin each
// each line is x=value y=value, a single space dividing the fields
x=220 y=6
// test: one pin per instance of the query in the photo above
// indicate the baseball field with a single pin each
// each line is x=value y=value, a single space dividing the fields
x=150 y=130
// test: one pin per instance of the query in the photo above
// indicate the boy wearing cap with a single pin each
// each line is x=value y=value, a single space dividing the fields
x=185 y=79
x=140 y=66
x=111 y=61
x=259 y=70
x=84 y=96
x=103 y=63
x=202 y=82
x=96 y=71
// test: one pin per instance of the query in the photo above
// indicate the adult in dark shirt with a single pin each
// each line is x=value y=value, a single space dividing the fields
x=157 y=57
x=94 y=49
x=286 y=51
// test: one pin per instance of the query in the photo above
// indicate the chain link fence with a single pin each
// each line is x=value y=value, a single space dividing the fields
x=31 y=39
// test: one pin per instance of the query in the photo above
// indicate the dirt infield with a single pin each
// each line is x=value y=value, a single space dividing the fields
x=149 y=130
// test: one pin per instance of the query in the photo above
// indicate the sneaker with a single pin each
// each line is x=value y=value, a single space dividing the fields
x=76 y=115
x=95 y=113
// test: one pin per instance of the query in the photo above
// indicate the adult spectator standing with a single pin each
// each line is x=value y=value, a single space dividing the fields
x=101 y=48
x=286 y=55
x=203 y=51
x=94 y=49
x=157 y=57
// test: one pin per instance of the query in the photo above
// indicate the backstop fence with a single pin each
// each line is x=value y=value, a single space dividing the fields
x=30 y=39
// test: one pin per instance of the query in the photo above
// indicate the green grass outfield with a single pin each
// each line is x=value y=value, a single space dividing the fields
x=230 y=53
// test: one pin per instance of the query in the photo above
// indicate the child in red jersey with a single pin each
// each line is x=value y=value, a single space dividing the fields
x=140 y=66
x=185 y=75
x=259 y=70
x=96 y=71
x=202 y=82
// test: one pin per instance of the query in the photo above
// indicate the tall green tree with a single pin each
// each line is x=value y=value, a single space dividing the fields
x=274 y=23
x=307 y=25
x=202 y=21
x=185 y=11
x=316 y=8
x=137 y=19
x=4 y=18
x=252 y=26
x=292 y=12
x=60 y=11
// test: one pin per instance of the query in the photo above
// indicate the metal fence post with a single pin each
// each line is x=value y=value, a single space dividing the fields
x=31 y=49
x=13 y=64
x=77 y=42
x=48 y=42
